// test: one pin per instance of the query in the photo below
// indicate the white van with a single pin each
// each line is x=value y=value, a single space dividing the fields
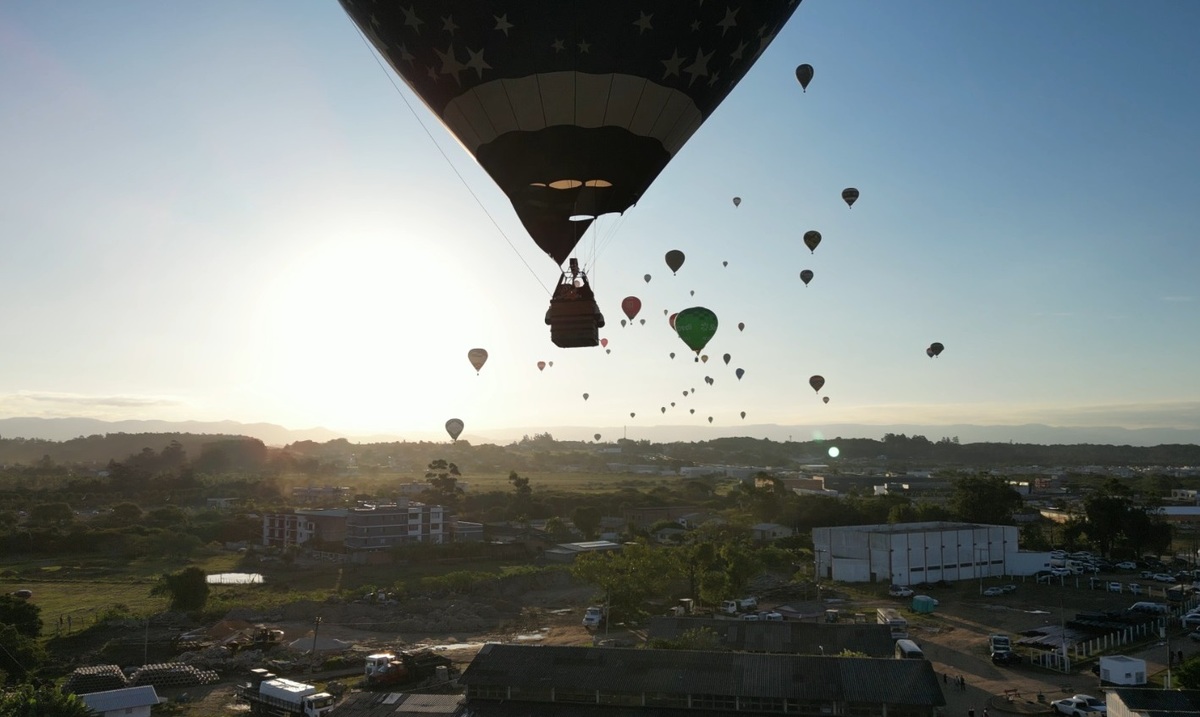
x=908 y=650
x=1151 y=608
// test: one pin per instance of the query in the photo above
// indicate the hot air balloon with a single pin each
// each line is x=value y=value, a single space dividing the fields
x=726 y=359
x=743 y=415
x=672 y=404
x=850 y=196
x=737 y=202
x=674 y=260
x=642 y=322
x=585 y=397
x=623 y=323
x=455 y=428
x=568 y=126
x=936 y=348
x=692 y=292
x=806 y=276
x=672 y=354
x=685 y=393
x=739 y=373
x=741 y=327
x=631 y=305
x=704 y=358
x=825 y=399
x=812 y=238
x=604 y=342
x=816 y=382
x=696 y=326
x=632 y=414
x=710 y=419
x=691 y=410
x=597 y=436
x=477 y=357
x=724 y=263
x=671 y=319
x=647 y=278
x=550 y=364
x=929 y=352
x=664 y=409
x=804 y=73
x=541 y=365
x=607 y=351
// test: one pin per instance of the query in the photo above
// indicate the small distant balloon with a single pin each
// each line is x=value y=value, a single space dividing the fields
x=743 y=415
x=550 y=364
x=929 y=352
x=726 y=358
x=622 y=323
x=597 y=436
x=804 y=74
x=607 y=351
x=672 y=404
x=541 y=365
x=585 y=397
x=691 y=410
x=825 y=399
x=674 y=260
x=692 y=292
x=704 y=358
x=455 y=428
x=632 y=414
x=724 y=263
x=642 y=322
x=850 y=196
x=664 y=409
x=739 y=373
x=737 y=201
x=812 y=239
x=604 y=343
x=741 y=327
x=672 y=354
x=936 y=348
x=710 y=419
x=477 y=357
x=806 y=276
x=631 y=305
x=816 y=382
x=647 y=278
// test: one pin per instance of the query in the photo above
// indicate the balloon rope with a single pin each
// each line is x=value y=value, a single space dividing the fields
x=442 y=152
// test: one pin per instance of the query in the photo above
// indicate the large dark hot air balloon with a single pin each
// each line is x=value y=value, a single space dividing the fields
x=806 y=276
x=573 y=108
x=816 y=382
x=696 y=326
x=812 y=239
x=804 y=74
x=674 y=260
x=936 y=349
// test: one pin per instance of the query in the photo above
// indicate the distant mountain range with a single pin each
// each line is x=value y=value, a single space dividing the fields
x=62 y=429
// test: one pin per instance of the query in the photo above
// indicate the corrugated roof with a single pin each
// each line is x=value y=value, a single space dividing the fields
x=841 y=679
x=121 y=699
x=790 y=637
x=1159 y=702
x=397 y=704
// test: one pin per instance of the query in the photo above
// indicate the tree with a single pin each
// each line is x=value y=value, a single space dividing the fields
x=19 y=655
x=24 y=616
x=186 y=589
x=443 y=477
x=985 y=499
x=51 y=514
x=627 y=577
x=43 y=701
x=557 y=528
x=125 y=514
x=587 y=519
x=522 y=494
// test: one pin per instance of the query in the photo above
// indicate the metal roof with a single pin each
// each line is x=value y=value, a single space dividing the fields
x=791 y=637
x=397 y=704
x=838 y=679
x=124 y=698
x=1159 y=702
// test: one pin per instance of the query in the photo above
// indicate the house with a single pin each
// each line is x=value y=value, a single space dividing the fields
x=125 y=702
x=768 y=532
x=549 y=680
x=567 y=552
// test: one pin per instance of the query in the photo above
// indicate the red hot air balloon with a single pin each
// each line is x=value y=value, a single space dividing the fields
x=604 y=343
x=804 y=74
x=816 y=382
x=541 y=365
x=812 y=239
x=631 y=305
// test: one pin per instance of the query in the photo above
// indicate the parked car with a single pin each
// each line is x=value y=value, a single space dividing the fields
x=1006 y=658
x=1074 y=707
x=1135 y=589
x=1163 y=577
x=1126 y=565
x=1060 y=572
x=902 y=591
x=593 y=617
x=1010 y=588
x=1146 y=575
x=993 y=592
x=1094 y=702
x=1192 y=619
x=1114 y=587
x=1194 y=635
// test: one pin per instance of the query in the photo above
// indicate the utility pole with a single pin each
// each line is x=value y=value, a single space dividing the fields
x=146 y=643
x=316 y=627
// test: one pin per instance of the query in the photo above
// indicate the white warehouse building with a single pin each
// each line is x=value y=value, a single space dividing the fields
x=908 y=553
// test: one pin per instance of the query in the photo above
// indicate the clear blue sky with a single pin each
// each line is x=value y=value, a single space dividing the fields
x=223 y=210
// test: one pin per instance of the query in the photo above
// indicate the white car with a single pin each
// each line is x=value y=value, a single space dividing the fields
x=993 y=592
x=900 y=591
x=593 y=617
x=1114 y=587
x=1192 y=619
x=1127 y=565
x=1094 y=702
x=1074 y=707
x=1060 y=572
x=1163 y=578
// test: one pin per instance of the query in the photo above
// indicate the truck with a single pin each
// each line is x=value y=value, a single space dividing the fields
x=271 y=696
x=407 y=668
x=733 y=607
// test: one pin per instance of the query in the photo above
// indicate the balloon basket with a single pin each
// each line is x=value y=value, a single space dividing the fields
x=574 y=322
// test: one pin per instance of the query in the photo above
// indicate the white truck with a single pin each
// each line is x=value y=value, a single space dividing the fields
x=269 y=695
x=733 y=607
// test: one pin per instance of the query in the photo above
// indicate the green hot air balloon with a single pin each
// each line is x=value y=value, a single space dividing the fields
x=696 y=327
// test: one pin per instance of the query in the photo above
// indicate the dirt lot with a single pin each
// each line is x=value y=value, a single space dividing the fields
x=953 y=637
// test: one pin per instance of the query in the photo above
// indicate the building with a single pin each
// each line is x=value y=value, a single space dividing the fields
x=125 y=702
x=1143 y=702
x=397 y=704
x=541 y=681
x=1180 y=514
x=907 y=553
x=567 y=552
x=283 y=530
x=768 y=532
x=789 y=637
x=373 y=527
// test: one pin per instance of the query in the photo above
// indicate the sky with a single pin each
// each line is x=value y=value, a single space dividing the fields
x=230 y=210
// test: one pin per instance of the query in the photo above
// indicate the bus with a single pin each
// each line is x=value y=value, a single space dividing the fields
x=898 y=626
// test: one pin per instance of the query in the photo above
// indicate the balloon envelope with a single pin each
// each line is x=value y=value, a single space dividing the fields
x=825 y=399
x=850 y=196
x=726 y=359
x=647 y=278
x=743 y=414
x=674 y=260
x=806 y=276
x=477 y=357
x=631 y=305
x=936 y=348
x=739 y=373
x=812 y=238
x=804 y=73
x=737 y=201
x=741 y=326
x=585 y=397
x=566 y=105
x=604 y=343
x=696 y=327
x=596 y=436
x=455 y=428
x=541 y=365
x=816 y=382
